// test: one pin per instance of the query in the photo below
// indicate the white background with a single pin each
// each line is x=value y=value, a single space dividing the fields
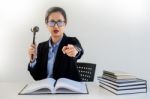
x=115 y=34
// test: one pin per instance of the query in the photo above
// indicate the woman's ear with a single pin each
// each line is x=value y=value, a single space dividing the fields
x=65 y=24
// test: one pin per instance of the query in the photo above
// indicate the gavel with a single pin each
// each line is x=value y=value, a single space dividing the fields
x=34 y=30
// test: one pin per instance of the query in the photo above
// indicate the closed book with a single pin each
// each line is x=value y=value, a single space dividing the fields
x=118 y=75
x=120 y=80
x=119 y=84
x=123 y=91
x=136 y=86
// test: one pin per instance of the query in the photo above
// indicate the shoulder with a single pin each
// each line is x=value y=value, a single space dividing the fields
x=70 y=39
x=43 y=44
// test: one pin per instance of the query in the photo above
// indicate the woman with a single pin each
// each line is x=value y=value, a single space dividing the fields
x=56 y=57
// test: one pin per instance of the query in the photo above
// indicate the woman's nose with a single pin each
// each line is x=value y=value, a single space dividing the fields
x=56 y=26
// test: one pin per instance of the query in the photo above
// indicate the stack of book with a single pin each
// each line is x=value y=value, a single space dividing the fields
x=122 y=83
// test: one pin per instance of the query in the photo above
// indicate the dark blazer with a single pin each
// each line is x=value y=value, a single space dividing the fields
x=64 y=66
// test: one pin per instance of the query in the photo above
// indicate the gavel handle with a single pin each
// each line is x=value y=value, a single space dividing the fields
x=33 y=43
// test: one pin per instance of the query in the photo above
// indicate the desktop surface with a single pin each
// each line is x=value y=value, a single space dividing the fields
x=11 y=90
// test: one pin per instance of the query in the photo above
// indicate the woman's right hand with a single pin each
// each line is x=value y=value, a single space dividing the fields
x=32 y=51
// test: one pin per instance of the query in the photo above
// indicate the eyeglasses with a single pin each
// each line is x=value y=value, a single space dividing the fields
x=59 y=23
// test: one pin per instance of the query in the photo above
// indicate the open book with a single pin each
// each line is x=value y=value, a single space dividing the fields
x=50 y=85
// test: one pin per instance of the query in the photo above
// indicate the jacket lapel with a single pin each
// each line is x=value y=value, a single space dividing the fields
x=46 y=50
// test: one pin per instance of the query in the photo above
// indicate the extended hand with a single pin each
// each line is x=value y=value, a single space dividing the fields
x=70 y=50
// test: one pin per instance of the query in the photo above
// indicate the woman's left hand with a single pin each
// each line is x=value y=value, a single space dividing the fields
x=70 y=50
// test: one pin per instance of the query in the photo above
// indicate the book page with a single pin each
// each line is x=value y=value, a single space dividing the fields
x=65 y=85
x=37 y=86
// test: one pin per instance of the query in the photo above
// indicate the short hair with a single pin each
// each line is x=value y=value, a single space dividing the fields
x=55 y=9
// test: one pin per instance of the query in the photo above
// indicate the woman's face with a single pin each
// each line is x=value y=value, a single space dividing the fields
x=56 y=24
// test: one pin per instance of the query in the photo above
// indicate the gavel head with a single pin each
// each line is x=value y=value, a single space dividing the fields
x=35 y=29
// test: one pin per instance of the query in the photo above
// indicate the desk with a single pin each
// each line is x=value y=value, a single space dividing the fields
x=10 y=91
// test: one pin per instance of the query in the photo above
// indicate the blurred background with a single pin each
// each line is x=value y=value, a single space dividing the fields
x=115 y=34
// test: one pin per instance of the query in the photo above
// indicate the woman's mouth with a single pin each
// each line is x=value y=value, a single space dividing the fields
x=56 y=31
